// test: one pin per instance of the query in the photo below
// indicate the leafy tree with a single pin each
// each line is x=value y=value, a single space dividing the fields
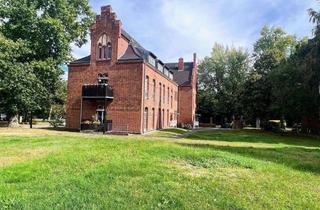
x=220 y=78
x=270 y=50
x=40 y=32
x=57 y=109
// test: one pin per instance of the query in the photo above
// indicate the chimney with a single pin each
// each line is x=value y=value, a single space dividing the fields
x=180 y=64
x=194 y=59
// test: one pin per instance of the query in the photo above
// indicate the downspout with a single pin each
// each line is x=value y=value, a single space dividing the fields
x=143 y=97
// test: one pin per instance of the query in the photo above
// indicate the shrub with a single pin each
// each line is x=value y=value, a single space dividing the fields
x=57 y=122
x=273 y=125
x=185 y=126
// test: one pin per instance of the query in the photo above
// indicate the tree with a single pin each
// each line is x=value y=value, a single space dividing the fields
x=315 y=19
x=57 y=109
x=270 y=50
x=44 y=29
x=20 y=88
x=220 y=78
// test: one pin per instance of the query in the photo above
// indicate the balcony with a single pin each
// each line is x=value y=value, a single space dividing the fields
x=102 y=91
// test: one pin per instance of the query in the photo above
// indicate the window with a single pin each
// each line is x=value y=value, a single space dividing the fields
x=145 y=119
x=160 y=93
x=103 y=78
x=168 y=96
x=109 y=51
x=164 y=94
x=166 y=72
x=146 y=86
x=152 y=60
x=168 y=119
x=160 y=66
x=163 y=118
x=175 y=95
x=154 y=90
x=171 y=75
x=104 y=48
x=171 y=98
x=152 y=119
x=99 y=51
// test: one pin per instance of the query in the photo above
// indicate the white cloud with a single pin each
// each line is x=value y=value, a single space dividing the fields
x=174 y=28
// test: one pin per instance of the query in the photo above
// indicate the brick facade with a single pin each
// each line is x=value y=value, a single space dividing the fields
x=137 y=104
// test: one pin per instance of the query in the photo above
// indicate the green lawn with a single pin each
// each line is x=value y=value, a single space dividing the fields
x=42 y=169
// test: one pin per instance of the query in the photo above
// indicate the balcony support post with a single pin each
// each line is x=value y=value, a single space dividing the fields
x=104 y=117
x=81 y=108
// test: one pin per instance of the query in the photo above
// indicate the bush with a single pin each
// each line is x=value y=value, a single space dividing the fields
x=185 y=126
x=226 y=125
x=273 y=125
x=57 y=122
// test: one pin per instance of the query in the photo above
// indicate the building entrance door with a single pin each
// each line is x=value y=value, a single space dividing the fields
x=100 y=113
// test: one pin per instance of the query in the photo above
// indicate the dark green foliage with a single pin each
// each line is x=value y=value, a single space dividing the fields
x=220 y=79
x=56 y=122
x=35 y=37
x=270 y=50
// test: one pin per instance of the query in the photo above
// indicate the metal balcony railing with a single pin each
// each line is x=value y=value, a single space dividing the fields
x=97 y=91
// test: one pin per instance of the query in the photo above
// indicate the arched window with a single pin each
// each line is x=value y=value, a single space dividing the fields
x=145 y=120
x=160 y=93
x=104 y=48
x=100 y=51
x=154 y=90
x=153 y=118
x=164 y=94
x=146 y=90
x=109 y=47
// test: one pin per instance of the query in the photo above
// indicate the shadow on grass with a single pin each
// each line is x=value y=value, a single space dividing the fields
x=302 y=159
x=174 y=130
x=59 y=129
x=168 y=133
x=255 y=136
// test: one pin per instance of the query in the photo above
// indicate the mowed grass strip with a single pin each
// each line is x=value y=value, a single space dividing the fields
x=208 y=170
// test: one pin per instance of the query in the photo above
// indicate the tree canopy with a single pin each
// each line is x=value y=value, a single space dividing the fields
x=36 y=37
x=220 y=77
x=279 y=81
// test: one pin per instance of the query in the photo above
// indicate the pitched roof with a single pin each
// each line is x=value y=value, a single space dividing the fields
x=134 y=49
x=131 y=54
x=136 y=52
x=181 y=77
x=83 y=60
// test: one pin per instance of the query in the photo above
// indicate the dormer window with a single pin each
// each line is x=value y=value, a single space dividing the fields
x=152 y=60
x=166 y=72
x=170 y=75
x=160 y=66
x=104 y=48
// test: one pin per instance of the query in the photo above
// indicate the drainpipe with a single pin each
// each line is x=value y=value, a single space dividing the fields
x=143 y=96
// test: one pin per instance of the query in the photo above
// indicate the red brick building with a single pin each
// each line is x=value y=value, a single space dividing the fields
x=122 y=87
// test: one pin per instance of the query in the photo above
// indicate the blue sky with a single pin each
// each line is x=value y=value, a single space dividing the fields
x=177 y=28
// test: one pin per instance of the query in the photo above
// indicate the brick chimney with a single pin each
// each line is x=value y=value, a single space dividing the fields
x=180 y=64
x=194 y=59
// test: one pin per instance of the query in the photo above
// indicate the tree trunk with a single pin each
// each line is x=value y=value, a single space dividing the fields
x=13 y=121
x=30 y=120
x=50 y=113
x=258 y=123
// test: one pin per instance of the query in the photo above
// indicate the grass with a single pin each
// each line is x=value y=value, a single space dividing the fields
x=45 y=169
